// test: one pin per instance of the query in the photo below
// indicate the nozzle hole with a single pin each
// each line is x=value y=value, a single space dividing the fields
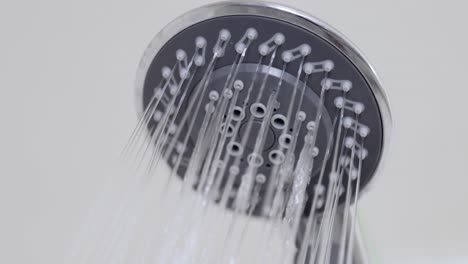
x=258 y=110
x=278 y=121
x=238 y=114
x=276 y=157
x=234 y=149
x=285 y=140
x=230 y=130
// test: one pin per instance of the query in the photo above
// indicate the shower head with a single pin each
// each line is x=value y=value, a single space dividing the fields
x=268 y=112
x=289 y=73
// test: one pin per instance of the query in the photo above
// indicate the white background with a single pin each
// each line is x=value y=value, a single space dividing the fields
x=66 y=79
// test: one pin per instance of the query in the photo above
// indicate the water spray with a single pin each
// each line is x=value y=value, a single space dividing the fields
x=266 y=112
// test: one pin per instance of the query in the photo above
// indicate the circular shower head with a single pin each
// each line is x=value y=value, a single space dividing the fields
x=237 y=95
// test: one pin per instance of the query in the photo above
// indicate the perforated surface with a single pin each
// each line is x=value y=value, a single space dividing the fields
x=295 y=36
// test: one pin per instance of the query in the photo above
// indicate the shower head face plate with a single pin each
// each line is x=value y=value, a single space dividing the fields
x=268 y=20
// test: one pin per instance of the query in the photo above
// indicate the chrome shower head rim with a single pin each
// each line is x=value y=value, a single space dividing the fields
x=280 y=12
